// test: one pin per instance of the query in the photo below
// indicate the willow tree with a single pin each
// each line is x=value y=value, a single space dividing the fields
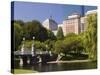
x=90 y=36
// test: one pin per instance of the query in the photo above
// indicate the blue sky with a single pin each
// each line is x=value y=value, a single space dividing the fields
x=28 y=11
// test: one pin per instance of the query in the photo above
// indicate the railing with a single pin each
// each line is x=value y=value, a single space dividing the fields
x=28 y=52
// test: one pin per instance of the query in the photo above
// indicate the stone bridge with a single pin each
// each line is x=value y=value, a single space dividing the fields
x=33 y=57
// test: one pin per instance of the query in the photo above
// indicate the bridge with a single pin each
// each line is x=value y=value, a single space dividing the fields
x=29 y=57
x=32 y=56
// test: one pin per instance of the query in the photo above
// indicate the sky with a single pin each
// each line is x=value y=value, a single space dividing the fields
x=28 y=11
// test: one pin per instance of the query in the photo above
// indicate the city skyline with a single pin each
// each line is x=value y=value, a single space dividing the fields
x=27 y=11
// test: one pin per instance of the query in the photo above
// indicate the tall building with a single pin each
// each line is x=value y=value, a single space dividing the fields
x=82 y=24
x=72 y=24
x=83 y=20
x=50 y=24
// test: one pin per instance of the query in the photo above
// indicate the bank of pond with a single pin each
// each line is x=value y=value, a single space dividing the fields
x=68 y=62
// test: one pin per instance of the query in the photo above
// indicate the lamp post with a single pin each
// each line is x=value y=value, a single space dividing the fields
x=22 y=49
x=22 y=52
x=32 y=51
x=46 y=49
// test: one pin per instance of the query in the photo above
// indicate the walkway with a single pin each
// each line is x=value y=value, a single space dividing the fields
x=71 y=61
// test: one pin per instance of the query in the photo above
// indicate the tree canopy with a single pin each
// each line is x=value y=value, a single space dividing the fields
x=60 y=34
x=85 y=42
x=35 y=29
x=18 y=33
x=90 y=36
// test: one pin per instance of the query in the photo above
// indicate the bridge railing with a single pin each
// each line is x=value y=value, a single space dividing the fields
x=28 y=52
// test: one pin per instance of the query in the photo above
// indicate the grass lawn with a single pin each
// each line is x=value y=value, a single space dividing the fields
x=23 y=71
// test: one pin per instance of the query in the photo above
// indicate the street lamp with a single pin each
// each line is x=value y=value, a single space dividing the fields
x=23 y=38
x=46 y=49
x=22 y=49
x=22 y=52
x=33 y=38
x=33 y=52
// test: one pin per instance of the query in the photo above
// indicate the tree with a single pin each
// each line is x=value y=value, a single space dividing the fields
x=71 y=35
x=51 y=35
x=60 y=34
x=90 y=36
x=18 y=33
x=73 y=44
x=50 y=44
x=40 y=46
x=58 y=47
x=35 y=29
x=20 y=22
x=69 y=45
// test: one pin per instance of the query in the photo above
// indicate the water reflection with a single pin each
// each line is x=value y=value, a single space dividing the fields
x=58 y=66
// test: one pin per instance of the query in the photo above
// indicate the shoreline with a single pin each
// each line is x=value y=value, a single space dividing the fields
x=70 y=61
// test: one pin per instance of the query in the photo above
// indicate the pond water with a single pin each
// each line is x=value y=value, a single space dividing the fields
x=49 y=67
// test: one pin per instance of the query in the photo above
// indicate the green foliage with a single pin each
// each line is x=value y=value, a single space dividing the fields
x=58 y=47
x=69 y=45
x=85 y=42
x=40 y=46
x=60 y=34
x=30 y=29
x=90 y=36
x=27 y=44
x=51 y=35
x=70 y=35
x=23 y=71
x=73 y=44
x=35 y=29
x=20 y=22
x=18 y=32
x=50 y=44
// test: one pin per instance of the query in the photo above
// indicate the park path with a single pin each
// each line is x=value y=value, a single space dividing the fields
x=71 y=61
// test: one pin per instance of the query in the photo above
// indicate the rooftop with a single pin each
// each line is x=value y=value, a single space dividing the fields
x=90 y=12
